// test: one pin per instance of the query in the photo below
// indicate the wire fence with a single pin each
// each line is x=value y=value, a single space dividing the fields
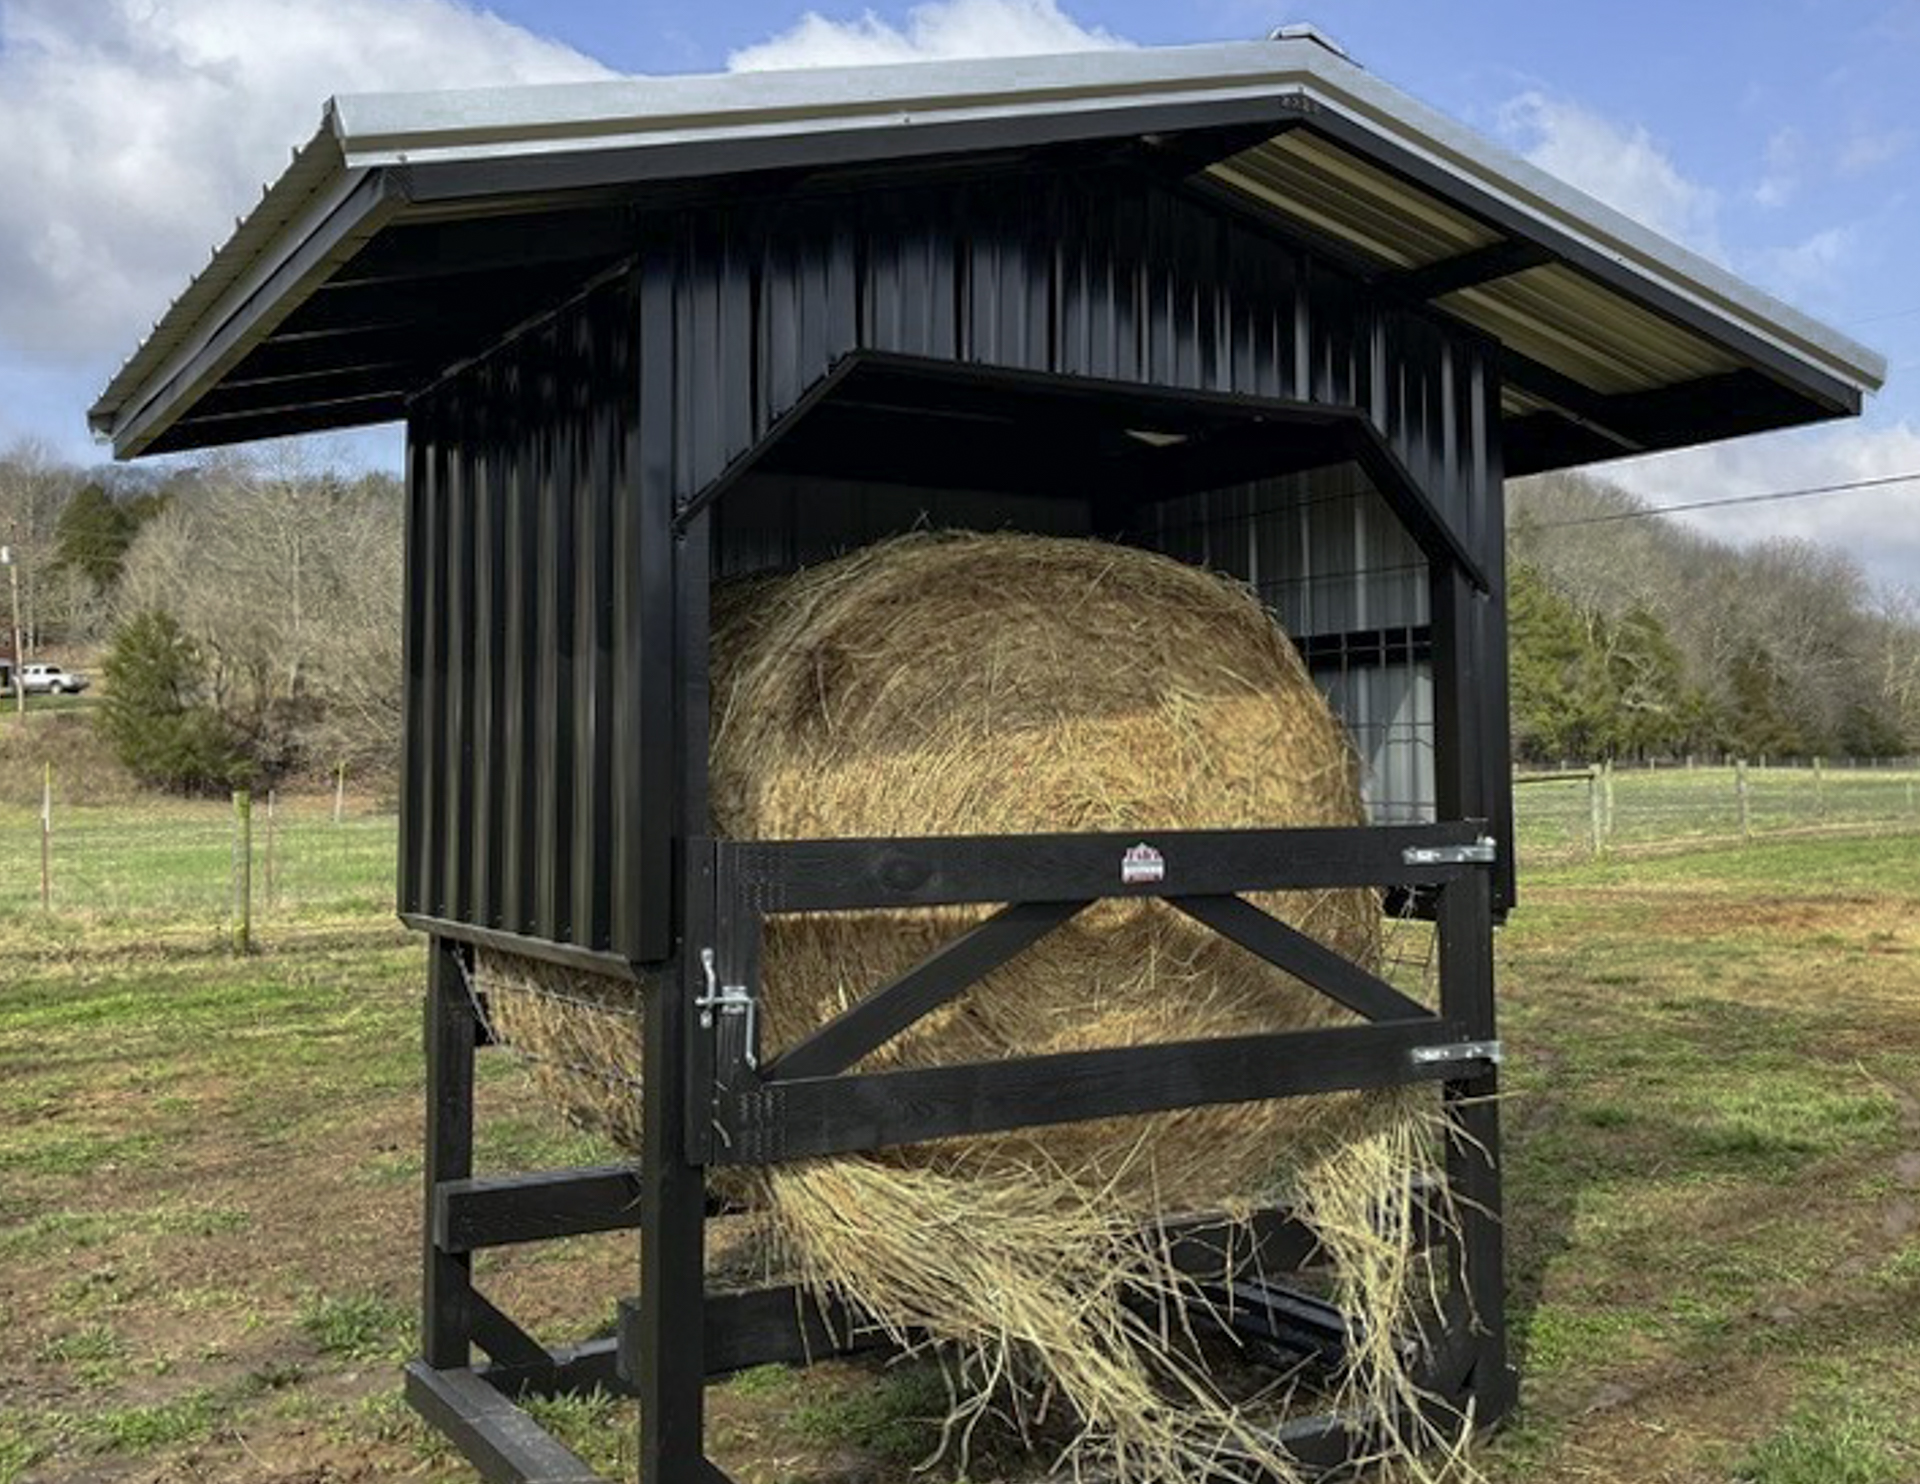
x=239 y=872
x=1574 y=814
x=198 y=870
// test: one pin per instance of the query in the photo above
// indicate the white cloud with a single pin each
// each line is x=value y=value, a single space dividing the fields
x=1786 y=157
x=133 y=132
x=1864 y=152
x=1811 y=268
x=1622 y=166
x=1879 y=528
x=938 y=29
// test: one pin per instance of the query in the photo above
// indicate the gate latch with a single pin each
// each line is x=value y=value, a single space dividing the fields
x=1426 y=1056
x=728 y=999
x=1482 y=852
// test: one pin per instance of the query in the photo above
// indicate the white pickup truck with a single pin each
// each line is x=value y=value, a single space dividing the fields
x=52 y=680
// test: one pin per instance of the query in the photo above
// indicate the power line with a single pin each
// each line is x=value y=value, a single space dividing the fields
x=1881 y=319
x=1794 y=494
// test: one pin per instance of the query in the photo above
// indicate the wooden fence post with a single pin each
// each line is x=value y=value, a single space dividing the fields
x=46 y=837
x=1596 y=812
x=269 y=862
x=1607 y=786
x=339 y=793
x=242 y=871
x=1746 y=812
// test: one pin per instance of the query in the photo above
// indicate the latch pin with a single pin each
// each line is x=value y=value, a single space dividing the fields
x=728 y=999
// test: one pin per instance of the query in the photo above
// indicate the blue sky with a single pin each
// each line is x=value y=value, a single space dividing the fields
x=1778 y=137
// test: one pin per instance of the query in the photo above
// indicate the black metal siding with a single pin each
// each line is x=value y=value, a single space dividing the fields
x=540 y=757
x=525 y=626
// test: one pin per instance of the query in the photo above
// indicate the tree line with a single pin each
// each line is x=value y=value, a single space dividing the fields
x=249 y=608
x=1640 y=637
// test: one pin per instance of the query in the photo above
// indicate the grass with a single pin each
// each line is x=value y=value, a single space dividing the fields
x=358 y=1326
x=208 y=1185
x=1836 y=1442
x=1669 y=808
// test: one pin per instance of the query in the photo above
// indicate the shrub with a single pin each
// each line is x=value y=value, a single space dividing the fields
x=154 y=714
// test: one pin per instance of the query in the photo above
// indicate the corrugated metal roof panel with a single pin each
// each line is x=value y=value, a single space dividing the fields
x=1559 y=318
x=1334 y=191
x=1360 y=163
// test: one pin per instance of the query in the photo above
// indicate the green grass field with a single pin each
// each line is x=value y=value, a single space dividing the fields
x=1684 y=808
x=165 y=866
x=209 y=1182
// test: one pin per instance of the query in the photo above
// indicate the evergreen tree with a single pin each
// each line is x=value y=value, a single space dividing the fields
x=154 y=716
x=95 y=530
x=1563 y=696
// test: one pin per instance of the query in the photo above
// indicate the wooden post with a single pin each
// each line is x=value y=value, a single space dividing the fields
x=19 y=649
x=46 y=838
x=1465 y=925
x=1740 y=789
x=270 y=882
x=242 y=871
x=339 y=793
x=1607 y=784
x=1596 y=812
x=446 y=1300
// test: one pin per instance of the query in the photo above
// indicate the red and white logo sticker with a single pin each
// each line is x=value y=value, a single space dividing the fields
x=1142 y=865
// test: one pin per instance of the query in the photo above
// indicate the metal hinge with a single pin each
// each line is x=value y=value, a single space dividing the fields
x=1426 y=1056
x=1482 y=852
x=728 y=999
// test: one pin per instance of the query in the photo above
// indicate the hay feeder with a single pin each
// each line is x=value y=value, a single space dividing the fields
x=1241 y=306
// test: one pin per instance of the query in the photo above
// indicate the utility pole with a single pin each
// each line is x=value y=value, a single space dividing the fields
x=8 y=560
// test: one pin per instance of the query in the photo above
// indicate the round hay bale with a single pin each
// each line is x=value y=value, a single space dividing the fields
x=954 y=684
x=1006 y=684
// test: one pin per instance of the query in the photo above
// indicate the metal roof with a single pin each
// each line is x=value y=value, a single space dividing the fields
x=416 y=226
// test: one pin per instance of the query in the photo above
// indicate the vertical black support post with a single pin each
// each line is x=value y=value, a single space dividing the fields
x=667 y=1366
x=1465 y=923
x=1473 y=1156
x=446 y=1330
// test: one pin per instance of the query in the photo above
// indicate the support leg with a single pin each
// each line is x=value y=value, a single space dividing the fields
x=668 y=1367
x=1473 y=1160
x=446 y=1329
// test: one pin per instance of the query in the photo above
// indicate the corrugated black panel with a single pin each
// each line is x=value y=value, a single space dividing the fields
x=521 y=679
x=543 y=783
x=1108 y=275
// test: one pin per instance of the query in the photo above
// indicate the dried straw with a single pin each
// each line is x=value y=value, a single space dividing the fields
x=1004 y=684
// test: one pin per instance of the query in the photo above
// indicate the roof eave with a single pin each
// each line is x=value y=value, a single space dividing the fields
x=319 y=212
x=376 y=155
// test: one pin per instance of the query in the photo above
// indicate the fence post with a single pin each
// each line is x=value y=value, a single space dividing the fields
x=1607 y=786
x=1596 y=819
x=242 y=871
x=46 y=837
x=270 y=881
x=340 y=792
x=1746 y=813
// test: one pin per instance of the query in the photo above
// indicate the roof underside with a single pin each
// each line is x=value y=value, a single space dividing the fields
x=415 y=230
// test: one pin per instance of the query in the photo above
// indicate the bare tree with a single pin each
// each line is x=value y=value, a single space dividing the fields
x=34 y=488
x=288 y=581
